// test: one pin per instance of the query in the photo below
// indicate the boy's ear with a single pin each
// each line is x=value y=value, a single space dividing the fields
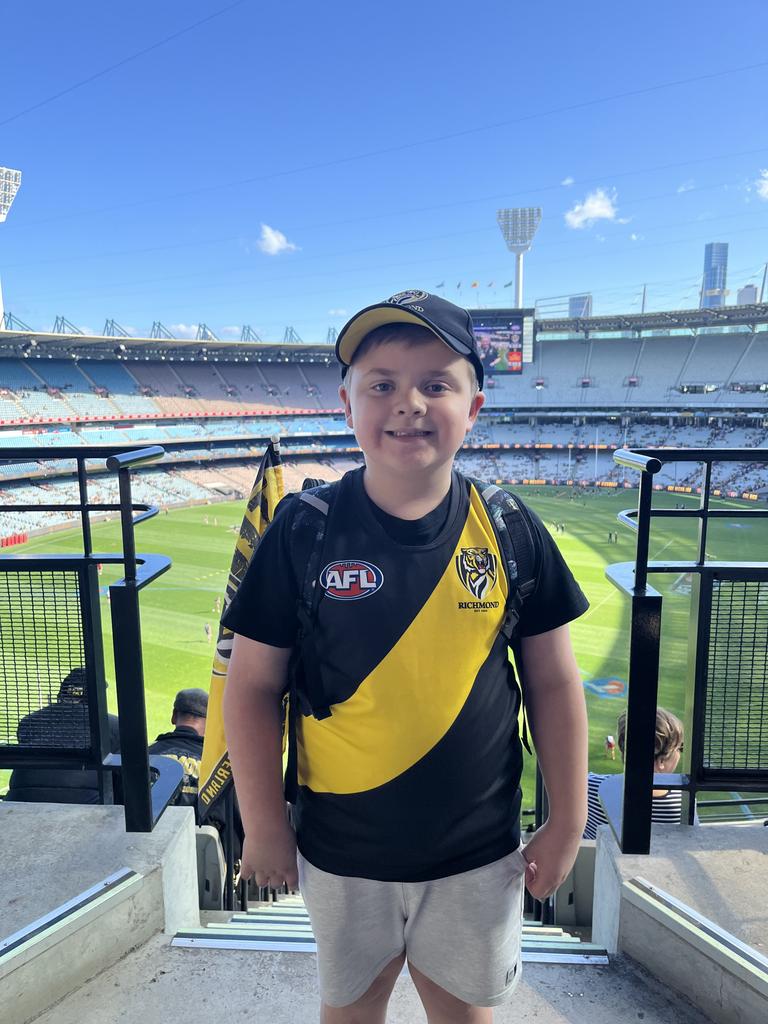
x=477 y=404
x=344 y=396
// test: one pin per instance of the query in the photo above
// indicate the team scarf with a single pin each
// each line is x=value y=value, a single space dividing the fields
x=215 y=766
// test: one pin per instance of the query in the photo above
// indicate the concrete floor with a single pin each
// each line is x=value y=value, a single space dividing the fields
x=157 y=984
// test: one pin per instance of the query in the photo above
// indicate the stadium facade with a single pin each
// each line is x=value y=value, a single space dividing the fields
x=562 y=395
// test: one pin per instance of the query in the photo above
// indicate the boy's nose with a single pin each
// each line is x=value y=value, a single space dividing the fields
x=411 y=402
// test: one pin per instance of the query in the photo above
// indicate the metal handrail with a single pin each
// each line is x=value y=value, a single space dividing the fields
x=634 y=830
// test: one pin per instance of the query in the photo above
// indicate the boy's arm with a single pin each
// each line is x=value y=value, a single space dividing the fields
x=554 y=700
x=256 y=680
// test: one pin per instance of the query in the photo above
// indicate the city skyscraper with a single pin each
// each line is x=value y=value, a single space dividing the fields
x=747 y=296
x=713 y=285
x=580 y=305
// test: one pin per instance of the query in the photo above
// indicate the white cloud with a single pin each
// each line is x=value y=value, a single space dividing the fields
x=686 y=186
x=634 y=237
x=183 y=330
x=273 y=241
x=567 y=181
x=761 y=185
x=337 y=312
x=599 y=205
x=230 y=332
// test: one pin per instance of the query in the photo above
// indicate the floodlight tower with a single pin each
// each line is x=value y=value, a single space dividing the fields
x=9 y=185
x=518 y=227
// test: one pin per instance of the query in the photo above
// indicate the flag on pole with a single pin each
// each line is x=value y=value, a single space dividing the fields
x=267 y=490
x=441 y=285
x=458 y=287
x=475 y=284
x=509 y=284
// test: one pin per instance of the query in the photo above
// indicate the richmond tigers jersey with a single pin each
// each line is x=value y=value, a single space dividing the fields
x=415 y=774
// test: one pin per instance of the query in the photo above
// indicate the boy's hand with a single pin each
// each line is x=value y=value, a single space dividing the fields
x=270 y=856
x=550 y=855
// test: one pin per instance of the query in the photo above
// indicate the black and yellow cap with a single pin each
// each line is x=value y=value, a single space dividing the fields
x=451 y=324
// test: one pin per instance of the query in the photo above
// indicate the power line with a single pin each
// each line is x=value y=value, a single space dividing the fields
x=545 y=245
x=121 y=63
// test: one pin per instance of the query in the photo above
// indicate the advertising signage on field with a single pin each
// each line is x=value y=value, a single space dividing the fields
x=499 y=333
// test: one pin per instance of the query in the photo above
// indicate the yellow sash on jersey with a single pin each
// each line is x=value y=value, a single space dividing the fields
x=413 y=696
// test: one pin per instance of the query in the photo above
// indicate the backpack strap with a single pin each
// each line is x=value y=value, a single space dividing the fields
x=516 y=538
x=306 y=694
x=309 y=526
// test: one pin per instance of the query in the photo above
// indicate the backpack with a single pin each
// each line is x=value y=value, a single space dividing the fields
x=515 y=537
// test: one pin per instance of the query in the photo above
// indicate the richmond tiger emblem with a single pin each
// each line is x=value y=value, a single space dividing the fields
x=477 y=569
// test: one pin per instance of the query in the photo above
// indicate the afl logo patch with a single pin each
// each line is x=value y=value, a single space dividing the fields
x=404 y=298
x=351 y=580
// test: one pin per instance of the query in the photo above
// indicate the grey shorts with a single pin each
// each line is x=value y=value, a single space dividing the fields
x=463 y=932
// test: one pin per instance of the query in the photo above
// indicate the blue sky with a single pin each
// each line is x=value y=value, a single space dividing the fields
x=286 y=164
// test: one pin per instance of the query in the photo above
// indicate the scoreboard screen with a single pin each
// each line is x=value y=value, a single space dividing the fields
x=500 y=339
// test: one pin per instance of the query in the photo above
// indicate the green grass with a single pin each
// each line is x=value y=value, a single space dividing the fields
x=175 y=608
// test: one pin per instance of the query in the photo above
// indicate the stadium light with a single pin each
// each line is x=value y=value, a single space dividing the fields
x=518 y=226
x=10 y=182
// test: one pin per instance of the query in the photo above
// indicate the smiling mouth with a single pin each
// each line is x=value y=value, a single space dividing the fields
x=408 y=433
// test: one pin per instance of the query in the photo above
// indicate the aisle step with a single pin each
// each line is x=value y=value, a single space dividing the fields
x=284 y=925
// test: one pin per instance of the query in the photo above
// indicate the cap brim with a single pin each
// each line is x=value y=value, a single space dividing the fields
x=380 y=316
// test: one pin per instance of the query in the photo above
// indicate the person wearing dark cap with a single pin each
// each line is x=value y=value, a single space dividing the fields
x=66 y=723
x=393 y=636
x=185 y=743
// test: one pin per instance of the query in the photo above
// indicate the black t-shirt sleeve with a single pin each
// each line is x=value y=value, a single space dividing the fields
x=557 y=598
x=264 y=606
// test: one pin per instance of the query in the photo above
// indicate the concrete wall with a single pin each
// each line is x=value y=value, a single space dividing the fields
x=55 y=852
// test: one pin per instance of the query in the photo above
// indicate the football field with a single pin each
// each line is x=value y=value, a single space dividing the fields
x=175 y=609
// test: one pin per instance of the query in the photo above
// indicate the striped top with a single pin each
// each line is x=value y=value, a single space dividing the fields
x=665 y=810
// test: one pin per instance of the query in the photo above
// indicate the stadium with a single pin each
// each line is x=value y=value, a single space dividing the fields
x=562 y=397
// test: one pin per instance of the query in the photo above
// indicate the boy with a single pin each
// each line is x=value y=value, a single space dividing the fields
x=407 y=813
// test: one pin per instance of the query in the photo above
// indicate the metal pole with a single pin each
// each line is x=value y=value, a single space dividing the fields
x=704 y=506
x=642 y=308
x=229 y=852
x=84 y=514
x=518 y=280
x=596 y=438
x=643 y=532
x=131 y=707
x=762 y=286
x=645 y=639
x=126 y=524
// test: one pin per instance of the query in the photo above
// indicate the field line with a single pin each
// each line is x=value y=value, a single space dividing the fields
x=611 y=592
x=743 y=807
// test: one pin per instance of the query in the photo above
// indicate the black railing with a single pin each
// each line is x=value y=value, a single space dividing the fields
x=712 y=699
x=143 y=800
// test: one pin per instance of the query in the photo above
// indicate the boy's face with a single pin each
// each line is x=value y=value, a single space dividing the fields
x=410 y=406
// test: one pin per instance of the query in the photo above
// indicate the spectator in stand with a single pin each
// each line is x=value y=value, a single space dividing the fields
x=64 y=723
x=668 y=746
x=185 y=743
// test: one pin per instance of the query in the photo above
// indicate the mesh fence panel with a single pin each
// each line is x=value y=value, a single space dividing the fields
x=41 y=642
x=736 y=728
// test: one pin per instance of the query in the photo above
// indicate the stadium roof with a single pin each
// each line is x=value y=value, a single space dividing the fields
x=691 y=319
x=26 y=342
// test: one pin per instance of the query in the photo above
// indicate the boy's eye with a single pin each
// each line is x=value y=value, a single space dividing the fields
x=381 y=385
x=439 y=387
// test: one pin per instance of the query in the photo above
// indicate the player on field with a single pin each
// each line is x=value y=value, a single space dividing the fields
x=407 y=803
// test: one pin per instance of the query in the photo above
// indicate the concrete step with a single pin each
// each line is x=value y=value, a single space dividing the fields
x=160 y=983
x=284 y=925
